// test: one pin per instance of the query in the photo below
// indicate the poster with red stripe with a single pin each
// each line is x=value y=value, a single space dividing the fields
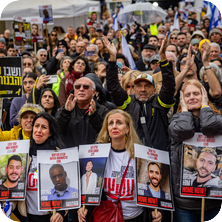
x=92 y=160
x=13 y=169
x=58 y=179
x=201 y=174
x=153 y=178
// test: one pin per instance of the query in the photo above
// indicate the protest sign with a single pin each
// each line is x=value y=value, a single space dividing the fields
x=10 y=77
x=1 y=107
x=13 y=169
x=153 y=178
x=92 y=16
x=19 y=32
x=202 y=167
x=58 y=179
x=28 y=37
x=45 y=12
x=92 y=167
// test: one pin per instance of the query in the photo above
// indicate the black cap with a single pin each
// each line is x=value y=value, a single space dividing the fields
x=99 y=30
x=149 y=46
x=63 y=42
x=26 y=53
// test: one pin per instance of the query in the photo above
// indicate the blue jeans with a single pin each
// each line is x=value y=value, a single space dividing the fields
x=181 y=215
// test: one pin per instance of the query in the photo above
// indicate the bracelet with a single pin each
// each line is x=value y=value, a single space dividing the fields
x=203 y=106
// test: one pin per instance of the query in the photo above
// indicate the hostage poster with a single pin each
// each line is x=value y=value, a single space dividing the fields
x=202 y=167
x=13 y=169
x=93 y=160
x=58 y=179
x=153 y=178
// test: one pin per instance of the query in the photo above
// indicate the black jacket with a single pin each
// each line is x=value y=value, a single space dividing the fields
x=182 y=127
x=78 y=127
x=141 y=66
x=154 y=110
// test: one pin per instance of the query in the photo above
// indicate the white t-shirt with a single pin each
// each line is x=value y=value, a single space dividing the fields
x=115 y=167
x=32 y=190
x=91 y=185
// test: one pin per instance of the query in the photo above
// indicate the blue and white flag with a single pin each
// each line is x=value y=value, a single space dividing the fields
x=115 y=23
x=205 y=4
x=214 y=14
x=127 y=53
x=176 y=22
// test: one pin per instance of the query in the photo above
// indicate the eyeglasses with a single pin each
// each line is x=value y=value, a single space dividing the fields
x=85 y=86
x=53 y=35
x=173 y=37
x=183 y=62
x=43 y=55
x=27 y=64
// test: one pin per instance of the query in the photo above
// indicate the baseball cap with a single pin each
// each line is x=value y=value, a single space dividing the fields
x=144 y=77
x=155 y=58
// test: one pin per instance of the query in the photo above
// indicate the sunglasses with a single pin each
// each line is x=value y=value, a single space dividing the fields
x=173 y=37
x=84 y=86
x=43 y=55
x=27 y=64
x=53 y=35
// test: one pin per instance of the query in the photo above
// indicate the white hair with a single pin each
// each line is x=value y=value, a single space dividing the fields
x=93 y=45
x=171 y=53
x=161 y=35
x=162 y=26
x=42 y=50
x=216 y=70
x=216 y=45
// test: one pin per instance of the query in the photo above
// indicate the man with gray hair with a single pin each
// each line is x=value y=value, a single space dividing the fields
x=214 y=51
x=206 y=163
x=42 y=56
x=162 y=29
x=92 y=54
x=81 y=118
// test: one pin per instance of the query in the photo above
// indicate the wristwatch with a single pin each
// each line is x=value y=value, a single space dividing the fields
x=208 y=67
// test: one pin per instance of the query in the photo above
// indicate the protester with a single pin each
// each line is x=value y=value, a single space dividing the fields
x=28 y=83
x=197 y=116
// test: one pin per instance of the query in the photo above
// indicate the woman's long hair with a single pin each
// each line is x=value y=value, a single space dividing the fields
x=105 y=50
x=129 y=76
x=199 y=86
x=87 y=68
x=132 y=137
x=56 y=100
x=55 y=138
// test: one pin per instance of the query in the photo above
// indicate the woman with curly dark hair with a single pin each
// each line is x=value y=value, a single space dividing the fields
x=78 y=68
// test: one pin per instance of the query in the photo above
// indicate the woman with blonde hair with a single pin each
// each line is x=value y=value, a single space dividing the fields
x=119 y=131
x=195 y=114
x=128 y=81
x=172 y=39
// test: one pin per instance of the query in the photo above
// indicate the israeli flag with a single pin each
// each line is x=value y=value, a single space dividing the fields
x=205 y=4
x=127 y=53
x=214 y=14
x=115 y=23
x=176 y=21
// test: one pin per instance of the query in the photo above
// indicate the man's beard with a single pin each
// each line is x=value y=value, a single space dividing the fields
x=205 y=175
x=155 y=185
x=145 y=59
x=12 y=181
x=144 y=100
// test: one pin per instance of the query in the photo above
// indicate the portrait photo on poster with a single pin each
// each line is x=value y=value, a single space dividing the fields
x=59 y=181
x=202 y=171
x=46 y=13
x=13 y=176
x=153 y=179
x=92 y=174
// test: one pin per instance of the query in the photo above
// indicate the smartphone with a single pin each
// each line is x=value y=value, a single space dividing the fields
x=60 y=50
x=89 y=53
x=53 y=79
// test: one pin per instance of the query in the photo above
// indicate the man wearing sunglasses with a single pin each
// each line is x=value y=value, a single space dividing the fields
x=42 y=56
x=81 y=118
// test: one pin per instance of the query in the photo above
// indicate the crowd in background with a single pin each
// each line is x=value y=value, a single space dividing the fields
x=177 y=71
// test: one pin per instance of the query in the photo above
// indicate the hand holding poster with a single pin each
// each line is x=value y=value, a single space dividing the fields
x=202 y=167
x=153 y=178
x=59 y=182
x=13 y=169
x=10 y=77
x=92 y=167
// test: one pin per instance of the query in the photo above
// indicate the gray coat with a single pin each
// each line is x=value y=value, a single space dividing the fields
x=183 y=126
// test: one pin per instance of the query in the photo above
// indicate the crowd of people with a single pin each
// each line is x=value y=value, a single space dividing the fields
x=174 y=92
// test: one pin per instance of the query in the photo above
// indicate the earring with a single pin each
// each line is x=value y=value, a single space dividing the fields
x=109 y=139
x=127 y=136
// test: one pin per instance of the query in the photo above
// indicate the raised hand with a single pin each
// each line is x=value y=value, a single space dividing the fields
x=110 y=47
x=92 y=107
x=70 y=103
x=190 y=59
x=206 y=53
x=42 y=81
x=204 y=96
x=182 y=103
